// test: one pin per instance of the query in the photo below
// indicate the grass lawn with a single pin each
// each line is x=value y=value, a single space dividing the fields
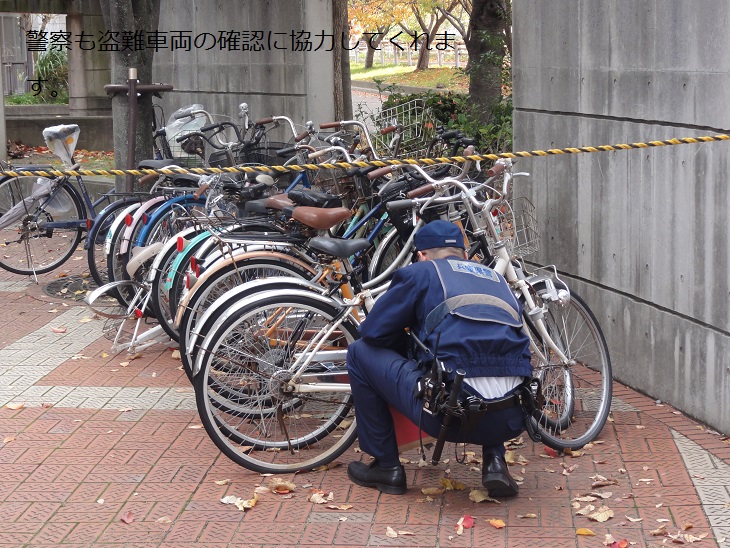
x=448 y=78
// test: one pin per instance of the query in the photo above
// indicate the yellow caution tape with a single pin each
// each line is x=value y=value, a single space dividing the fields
x=369 y=163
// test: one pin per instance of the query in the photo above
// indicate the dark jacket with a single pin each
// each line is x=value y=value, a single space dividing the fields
x=471 y=306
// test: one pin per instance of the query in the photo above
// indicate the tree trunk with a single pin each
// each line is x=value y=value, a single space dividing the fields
x=486 y=48
x=341 y=60
x=131 y=16
x=424 y=53
x=372 y=44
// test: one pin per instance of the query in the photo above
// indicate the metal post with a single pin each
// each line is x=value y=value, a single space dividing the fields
x=132 y=132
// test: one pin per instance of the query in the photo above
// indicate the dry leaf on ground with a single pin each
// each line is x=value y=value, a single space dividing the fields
x=281 y=486
x=390 y=532
x=585 y=532
x=223 y=482
x=15 y=406
x=244 y=505
x=317 y=497
x=175 y=354
x=604 y=513
x=659 y=532
x=451 y=485
x=340 y=507
x=8 y=439
x=524 y=516
x=479 y=495
x=433 y=491
x=58 y=329
x=163 y=519
x=496 y=523
x=127 y=517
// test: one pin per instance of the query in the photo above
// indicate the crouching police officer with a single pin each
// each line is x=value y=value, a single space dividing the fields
x=470 y=313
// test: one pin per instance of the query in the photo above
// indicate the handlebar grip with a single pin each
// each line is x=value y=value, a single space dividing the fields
x=159 y=132
x=453 y=134
x=286 y=151
x=201 y=190
x=185 y=137
x=399 y=204
x=389 y=129
x=496 y=169
x=468 y=151
x=210 y=127
x=301 y=136
x=317 y=153
x=264 y=121
x=448 y=419
x=380 y=172
x=329 y=125
x=420 y=191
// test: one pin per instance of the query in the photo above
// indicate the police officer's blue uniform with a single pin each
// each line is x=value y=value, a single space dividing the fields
x=477 y=320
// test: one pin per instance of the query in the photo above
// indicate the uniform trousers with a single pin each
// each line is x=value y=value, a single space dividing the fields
x=379 y=376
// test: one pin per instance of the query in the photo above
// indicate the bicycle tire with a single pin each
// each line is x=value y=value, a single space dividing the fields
x=256 y=441
x=112 y=246
x=217 y=283
x=96 y=239
x=385 y=254
x=28 y=248
x=577 y=395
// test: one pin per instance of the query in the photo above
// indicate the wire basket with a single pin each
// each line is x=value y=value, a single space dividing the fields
x=419 y=128
x=189 y=152
x=517 y=225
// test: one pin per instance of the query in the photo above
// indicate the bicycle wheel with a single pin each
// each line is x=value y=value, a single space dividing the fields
x=96 y=239
x=29 y=244
x=217 y=283
x=578 y=393
x=241 y=389
x=386 y=253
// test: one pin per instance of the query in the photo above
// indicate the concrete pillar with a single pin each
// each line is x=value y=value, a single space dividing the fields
x=3 y=135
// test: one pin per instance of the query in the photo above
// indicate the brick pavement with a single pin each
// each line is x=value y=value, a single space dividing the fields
x=96 y=441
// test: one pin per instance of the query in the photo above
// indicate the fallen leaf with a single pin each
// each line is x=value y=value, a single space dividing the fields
x=281 y=486
x=552 y=453
x=390 y=532
x=244 y=505
x=459 y=526
x=104 y=355
x=467 y=521
x=585 y=532
x=403 y=533
x=686 y=526
x=84 y=320
x=451 y=485
x=479 y=495
x=586 y=498
x=46 y=405
x=15 y=406
x=163 y=519
x=604 y=513
x=230 y=499
x=432 y=490
x=609 y=540
x=317 y=497
x=175 y=355
x=640 y=426
x=223 y=482
x=341 y=507
x=58 y=329
x=633 y=520
x=526 y=516
x=606 y=495
x=496 y=523
x=127 y=517
x=195 y=427
x=8 y=439
x=663 y=520
x=100 y=501
x=125 y=409
x=124 y=364
x=659 y=532
x=586 y=510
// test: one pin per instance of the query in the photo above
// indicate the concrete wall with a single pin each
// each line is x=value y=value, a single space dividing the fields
x=277 y=82
x=642 y=233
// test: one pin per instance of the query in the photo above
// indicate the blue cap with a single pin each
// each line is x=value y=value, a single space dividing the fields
x=439 y=234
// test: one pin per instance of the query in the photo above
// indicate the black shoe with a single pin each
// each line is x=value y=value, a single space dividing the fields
x=496 y=478
x=386 y=480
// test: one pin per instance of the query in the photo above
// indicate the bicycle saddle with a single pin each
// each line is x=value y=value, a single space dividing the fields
x=338 y=247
